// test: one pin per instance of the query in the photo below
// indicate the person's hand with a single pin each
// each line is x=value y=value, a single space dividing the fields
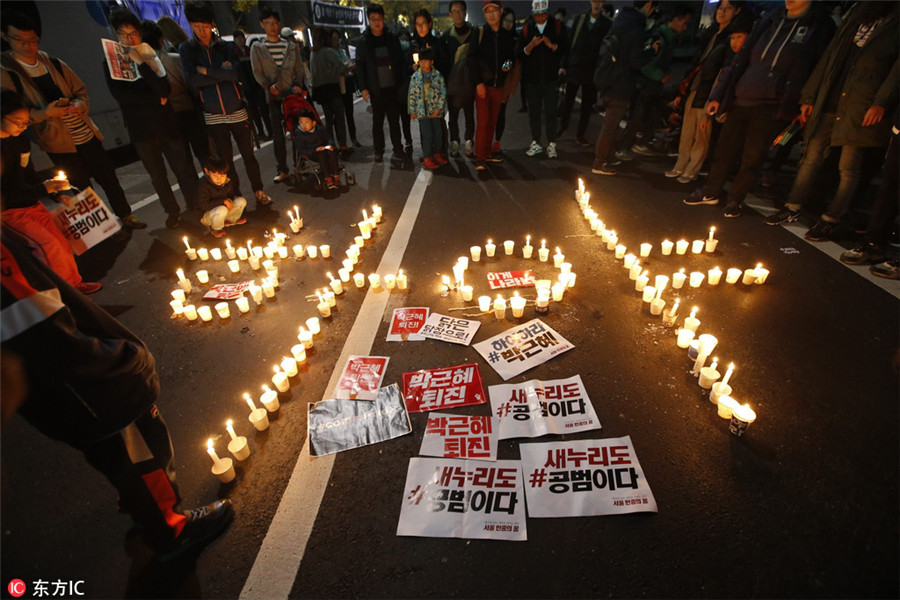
x=163 y=101
x=535 y=41
x=226 y=64
x=412 y=116
x=805 y=112
x=77 y=107
x=676 y=102
x=57 y=185
x=54 y=110
x=132 y=53
x=228 y=204
x=550 y=44
x=273 y=89
x=561 y=73
x=712 y=107
x=873 y=116
x=145 y=51
x=481 y=91
x=297 y=89
x=201 y=69
x=321 y=148
x=365 y=95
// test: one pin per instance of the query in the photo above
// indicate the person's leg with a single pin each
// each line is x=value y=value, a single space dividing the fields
x=241 y=133
x=329 y=163
x=814 y=154
x=615 y=112
x=406 y=125
x=885 y=209
x=453 y=123
x=278 y=144
x=550 y=94
x=850 y=166
x=689 y=127
x=192 y=127
x=731 y=142
x=379 y=107
x=347 y=101
x=101 y=168
x=484 y=133
x=425 y=135
x=392 y=109
x=535 y=105
x=700 y=145
x=182 y=165
x=221 y=138
x=469 y=116
x=588 y=99
x=36 y=224
x=214 y=218
x=238 y=205
x=495 y=101
x=340 y=126
x=151 y=154
x=501 y=122
x=565 y=110
x=761 y=130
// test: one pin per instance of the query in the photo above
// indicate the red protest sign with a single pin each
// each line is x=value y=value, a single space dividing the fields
x=448 y=387
x=510 y=279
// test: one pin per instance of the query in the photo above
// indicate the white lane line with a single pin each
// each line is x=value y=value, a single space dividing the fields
x=276 y=566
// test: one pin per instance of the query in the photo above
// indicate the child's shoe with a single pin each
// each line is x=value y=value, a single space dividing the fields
x=240 y=221
x=429 y=163
x=217 y=232
x=439 y=159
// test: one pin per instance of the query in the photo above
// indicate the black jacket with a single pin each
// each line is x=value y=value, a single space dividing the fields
x=442 y=60
x=210 y=195
x=20 y=187
x=367 y=65
x=584 y=47
x=219 y=89
x=629 y=29
x=715 y=52
x=306 y=142
x=543 y=64
x=489 y=56
x=145 y=116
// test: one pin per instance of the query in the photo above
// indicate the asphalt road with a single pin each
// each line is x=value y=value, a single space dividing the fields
x=804 y=505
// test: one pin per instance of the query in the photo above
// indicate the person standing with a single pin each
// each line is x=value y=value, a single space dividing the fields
x=210 y=65
x=508 y=22
x=279 y=70
x=253 y=93
x=457 y=35
x=327 y=68
x=491 y=59
x=59 y=105
x=348 y=85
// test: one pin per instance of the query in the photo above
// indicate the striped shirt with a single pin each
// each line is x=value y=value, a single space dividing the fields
x=76 y=124
x=235 y=117
x=277 y=50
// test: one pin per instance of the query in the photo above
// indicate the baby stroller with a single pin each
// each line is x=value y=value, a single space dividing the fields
x=306 y=169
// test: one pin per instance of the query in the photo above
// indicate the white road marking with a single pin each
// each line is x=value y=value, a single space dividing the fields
x=279 y=557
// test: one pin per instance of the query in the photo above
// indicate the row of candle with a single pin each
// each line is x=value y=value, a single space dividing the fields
x=490 y=250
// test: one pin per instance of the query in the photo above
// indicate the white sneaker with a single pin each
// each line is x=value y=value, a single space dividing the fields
x=454 y=149
x=673 y=173
x=470 y=148
x=551 y=150
x=534 y=149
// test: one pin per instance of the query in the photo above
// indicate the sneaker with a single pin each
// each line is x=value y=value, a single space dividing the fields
x=643 y=150
x=673 y=173
x=470 y=149
x=440 y=159
x=686 y=178
x=173 y=221
x=495 y=157
x=429 y=163
x=534 y=149
x=785 y=215
x=582 y=142
x=203 y=526
x=217 y=232
x=240 y=221
x=604 y=169
x=454 y=149
x=625 y=155
x=262 y=198
x=698 y=198
x=332 y=183
x=280 y=177
x=551 y=150
x=733 y=210
x=862 y=255
x=821 y=231
x=379 y=157
x=132 y=222
x=889 y=269
x=88 y=287
x=480 y=166
x=495 y=148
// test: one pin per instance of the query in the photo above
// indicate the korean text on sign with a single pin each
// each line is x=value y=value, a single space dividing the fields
x=449 y=329
x=448 y=387
x=510 y=279
x=406 y=323
x=535 y=408
x=361 y=377
x=522 y=348
x=460 y=436
x=85 y=221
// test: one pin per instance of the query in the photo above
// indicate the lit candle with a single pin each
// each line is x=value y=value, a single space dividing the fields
x=543 y=300
x=667 y=247
x=305 y=337
x=203 y=253
x=697 y=246
x=178 y=295
x=709 y=375
x=476 y=253
x=298 y=351
x=620 y=253
x=711 y=242
x=376 y=213
x=223 y=310
x=324 y=309
x=402 y=280
x=508 y=247
x=205 y=313
x=458 y=275
x=714 y=275
x=490 y=248
x=527 y=249
x=312 y=324
x=517 y=303
x=558 y=258
x=742 y=417
x=254 y=262
x=557 y=292
x=712 y=233
x=641 y=282
x=243 y=253
x=234 y=266
x=628 y=259
x=256 y=292
x=295 y=224
x=727 y=404
x=298 y=249
x=678 y=279
x=635 y=270
x=336 y=286
x=289 y=366
x=312 y=251
x=645 y=250
x=669 y=315
x=190 y=311
x=390 y=281
x=259 y=417
x=697 y=279
x=464 y=261
x=732 y=275
x=612 y=240
x=182 y=282
x=280 y=379
x=216 y=254
x=692 y=322
x=685 y=336
x=282 y=252
x=268 y=288
x=500 y=307
x=565 y=267
x=238 y=444
x=375 y=280
x=707 y=345
x=681 y=247
x=359 y=280
x=223 y=468
x=177 y=307
x=661 y=282
x=761 y=274
x=750 y=276
x=325 y=251
x=728 y=373
x=657 y=304
x=191 y=252
x=648 y=292
x=360 y=241
x=718 y=390
x=243 y=304
x=467 y=292
x=257 y=251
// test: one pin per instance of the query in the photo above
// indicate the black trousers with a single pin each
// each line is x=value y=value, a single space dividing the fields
x=328 y=162
x=606 y=142
x=588 y=98
x=193 y=132
x=385 y=104
x=276 y=120
x=151 y=153
x=885 y=209
x=469 y=116
x=221 y=136
x=90 y=161
x=347 y=99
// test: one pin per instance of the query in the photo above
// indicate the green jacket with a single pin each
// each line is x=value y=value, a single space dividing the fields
x=873 y=79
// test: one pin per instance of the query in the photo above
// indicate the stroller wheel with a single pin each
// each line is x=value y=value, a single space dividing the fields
x=350 y=178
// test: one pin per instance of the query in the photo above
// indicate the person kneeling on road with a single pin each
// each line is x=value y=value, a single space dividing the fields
x=217 y=199
x=311 y=139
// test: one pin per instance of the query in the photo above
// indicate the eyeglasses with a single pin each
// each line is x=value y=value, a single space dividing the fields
x=25 y=42
x=22 y=124
x=129 y=35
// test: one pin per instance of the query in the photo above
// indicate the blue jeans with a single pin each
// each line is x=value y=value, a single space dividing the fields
x=431 y=132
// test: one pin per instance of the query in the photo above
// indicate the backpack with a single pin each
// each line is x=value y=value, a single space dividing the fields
x=606 y=66
x=460 y=83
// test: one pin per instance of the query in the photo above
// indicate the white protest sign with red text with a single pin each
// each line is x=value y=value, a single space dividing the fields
x=460 y=436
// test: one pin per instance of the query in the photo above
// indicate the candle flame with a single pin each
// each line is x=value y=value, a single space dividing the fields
x=277 y=369
x=557 y=250
x=330 y=275
x=228 y=424
x=759 y=265
x=694 y=312
x=209 y=444
x=681 y=270
x=543 y=243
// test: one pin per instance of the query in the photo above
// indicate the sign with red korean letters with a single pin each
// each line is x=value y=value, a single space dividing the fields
x=227 y=291
x=85 y=220
x=584 y=478
x=510 y=279
x=521 y=348
x=446 y=497
x=460 y=436
x=447 y=387
x=406 y=323
x=535 y=408
x=450 y=329
x=361 y=378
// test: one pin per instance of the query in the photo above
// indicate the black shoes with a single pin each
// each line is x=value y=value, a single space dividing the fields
x=204 y=525
x=699 y=198
x=733 y=210
x=173 y=221
x=821 y=231
x=785 y=215
x=866 y=254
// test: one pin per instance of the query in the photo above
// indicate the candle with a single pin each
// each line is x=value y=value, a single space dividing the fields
x=203 y=253
x=402 y=280
x=242 y=253
x=761 y=274
x=685 y=336
x=490 y=248
x=645 y=250
x=669 y=316
x=484 y=303
x=222 y=309
x=696 y=279
x=660 y=282
x=692 y=322
x=612 y=240
x=336 y=286
x=732 y=275
x=360 y=241
x=374 y=280
x=681 y=247
x=280 y=379
x=312 y=251
x=678 y=279
x=325 y=251
x=508 y=247
x=571 y=280
x=359 y=280
x=728 y=373
x=191 y=252
x=324 y=309
x=667 y=247
x=620 y=253
x=464 y=262
x=238 y=443
x=641 y=281
x=234 y=266
x=216 y=253
x=629 y=260
x=656 y=305
x=500 y=307
x=458 y=271
x=259 y=417
x=289 y=366
x=711 y=245
x=543 y=251
x=648 y=292
x=709 y=375
x=305 y=337
x=190 y=311
x=254 y=262
x=182 y=282
x=467 y=292
x=312 y=324
x=714 y=275
x=712 y=232
x=517 y=303
x=527 y=249
x=223 y=468
x=749 y=277
x=243 y=304
x=257 y=251
x=475 y=251
x=718 y=390
x=707 y=345
x=256 y=292
x=558 y=258
x=295 y=225
x=365 y=229
x=177 y=307
x=635 y=270
x=565 y=267
x=741 y=418
x=727 y=404
x=376 y=213
x=282 y=252
x=268 y=264
x=268 y=288
x=697 y=246
x=298 y=351
x=178 y=295
x=557 y=291
x=205 y=313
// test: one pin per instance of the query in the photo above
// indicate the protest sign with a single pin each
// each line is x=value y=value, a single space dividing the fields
x=85 y=220
x=521 y=348
x=227 y=291
x=535 y=408
x=510 y=279
x=447 y=497
x=361 y=377
x=460 y=436
x=449 y=329
x=406 y=323
x=338 y=425
x=447 y=387
x=121 y=67
x=584 y=478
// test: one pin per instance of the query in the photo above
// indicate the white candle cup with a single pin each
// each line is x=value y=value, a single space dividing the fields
x=656 y=306
x=243 y=304
x=645 y=250
x=565 y=267
x=203 y=253
x=467 y=292
x=711 y=245
x=374 y=280
x=359 y=280
x=635 y=271
x=242 y=253
x=489 y=249
x=269 y=400
x=365 y=229
x=648 y=292
x=256 y=293
x=312 y=251
x=620 y=253
x=205 y=313
x=749 y=277
x=464 y=261
x=289 y=366
x=376 y=213
x=254 y=262
x=336 y=286
x=191 y=253
x=325 y=251
x=296 y=225
x=718 y=390
x=694 y=350
x=306 y=338
x=324 y=309
x=604 y=235
x=741 y=418
x=708 y=376
x=402 y=280
x=281 y=381
x=697 y=246
x=571 y=282
x=299 y=251
x=259 y=418
x=177 y=307
x=681 y=247
x=224 y=470
x=678 y=280
x=234 y=266
x=509 y=246
x=726 y=405
x=268 y=264
x=312 y=324
x=517 y=303
x=668 y=317
x=202 y=276
x=685 y=336
x=190 y=311
x=661 y=281
x=692 y=323
x=611 y=242
x=223 y=310
x=543 y=254
x=641 y=282
x=713 y=276
x=360 y=241
x=179 y=295
x=268 y=288
x=527 y=250
x=500 y=308
x=484 y=303
x=666 y=247
x=697 y=279
x=761 y=275
x=557 y=292
x=230 y=252
x=257 y=252
x=298 y=351
x=732 y=275
x=239 y=448
x=269 y=252
x=282 y=252
x=558 y=259
x=628 y=259
x=216 y=254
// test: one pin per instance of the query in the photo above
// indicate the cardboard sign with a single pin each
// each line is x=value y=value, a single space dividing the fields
x=510 y=279
x=445 y=497
x=535 y=408
x=450 y=329
x=448 y=387
x=584 y=478
x=338 y=425
x=406 y=323
x=85 y=221
x=521 y=348
x=460 y=436
x=361 y=378
x=227 y=291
